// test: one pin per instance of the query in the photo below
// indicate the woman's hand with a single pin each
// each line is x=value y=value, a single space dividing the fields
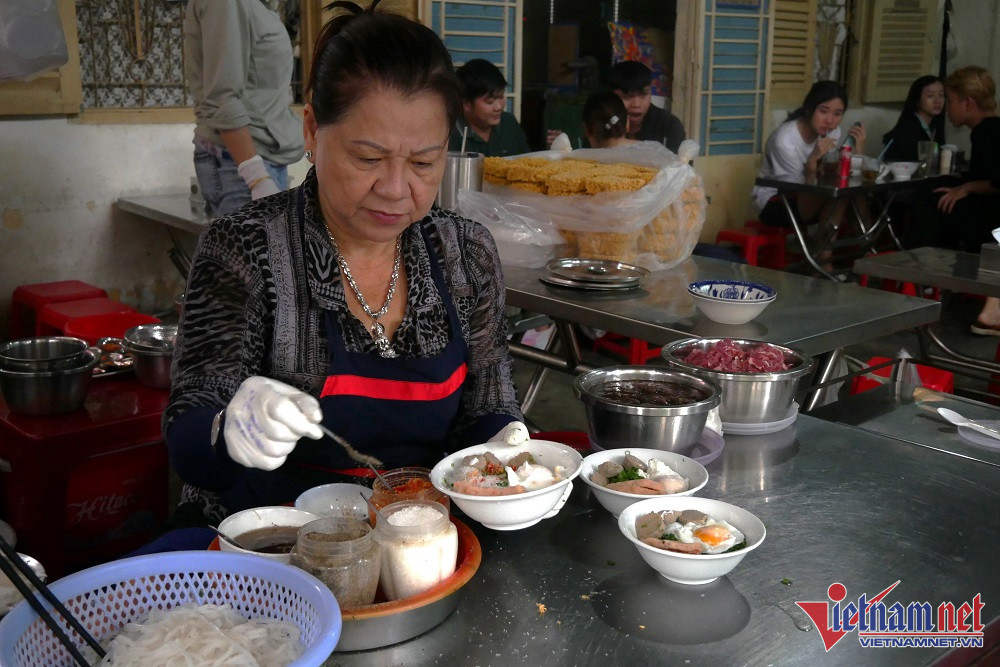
x=858 y=132
x=512 y=435
x=948 y=200
x=821 y=147
x=265 y=420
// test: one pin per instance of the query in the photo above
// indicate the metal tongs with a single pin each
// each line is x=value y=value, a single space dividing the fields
x=14 y=567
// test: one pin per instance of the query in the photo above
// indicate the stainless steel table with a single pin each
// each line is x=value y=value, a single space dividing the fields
x=817 y=316
x=830 y=187
x=886 y=411
x=840 y=505
x=944 y=269
x=181 y=219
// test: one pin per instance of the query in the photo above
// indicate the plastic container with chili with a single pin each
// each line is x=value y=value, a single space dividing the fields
x=413 y=483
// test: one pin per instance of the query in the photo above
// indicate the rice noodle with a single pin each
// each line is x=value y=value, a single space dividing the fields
x=207 y=634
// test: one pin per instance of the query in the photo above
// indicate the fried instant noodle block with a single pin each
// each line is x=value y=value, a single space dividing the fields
x=600 y=183
x=528 y=186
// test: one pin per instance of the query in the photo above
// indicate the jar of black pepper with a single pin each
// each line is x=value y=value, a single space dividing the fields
x=343 y=554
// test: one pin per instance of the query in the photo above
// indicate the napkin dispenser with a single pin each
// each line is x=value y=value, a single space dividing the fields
x=989 y=258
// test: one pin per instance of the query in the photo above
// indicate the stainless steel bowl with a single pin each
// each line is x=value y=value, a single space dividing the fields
x=152 y=337
x=42 y=393
x=152 y=367
x=614 y=425
x=50 y=353
x=747 y=398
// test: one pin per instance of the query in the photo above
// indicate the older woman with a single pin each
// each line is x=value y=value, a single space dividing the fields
x=347 y=301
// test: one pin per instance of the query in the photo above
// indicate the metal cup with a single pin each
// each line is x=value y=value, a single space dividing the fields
x=461 y=170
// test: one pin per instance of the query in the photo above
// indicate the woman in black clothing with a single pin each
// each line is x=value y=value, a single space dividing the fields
x=921 y=120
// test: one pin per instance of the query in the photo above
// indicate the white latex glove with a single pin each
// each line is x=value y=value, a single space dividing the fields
x=255 y=175
x=512 y=435
x=562 y=143
x=265 y=419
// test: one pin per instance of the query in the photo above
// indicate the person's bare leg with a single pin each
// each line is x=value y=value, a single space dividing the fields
x=988 y=322
x=831 y=214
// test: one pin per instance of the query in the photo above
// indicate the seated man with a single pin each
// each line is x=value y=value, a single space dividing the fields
x=631 y=81
x=488 y=129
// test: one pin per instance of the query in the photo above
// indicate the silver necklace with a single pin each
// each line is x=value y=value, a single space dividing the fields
x=377 y=330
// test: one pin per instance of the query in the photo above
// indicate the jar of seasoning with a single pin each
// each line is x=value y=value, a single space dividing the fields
x=342 y=553
x=413 y=483
x=419 y=546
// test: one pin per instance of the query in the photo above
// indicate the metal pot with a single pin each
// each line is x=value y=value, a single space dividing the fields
x=152 y=368
x=42 y=393
x=747 y=398
x=615 y=425
x=49 y=353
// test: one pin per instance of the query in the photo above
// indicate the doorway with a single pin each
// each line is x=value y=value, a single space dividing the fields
x=569 y=47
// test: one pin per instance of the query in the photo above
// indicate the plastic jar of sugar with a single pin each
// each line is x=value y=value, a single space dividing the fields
x=419 y=547
x=342 y=553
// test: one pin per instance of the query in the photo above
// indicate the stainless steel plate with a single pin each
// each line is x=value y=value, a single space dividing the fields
x=559 y=281
x=602 y=271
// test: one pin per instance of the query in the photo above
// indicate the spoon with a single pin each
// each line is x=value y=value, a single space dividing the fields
x=355 y=455
x=959 y=420
x=372 y=506
x=226 y=538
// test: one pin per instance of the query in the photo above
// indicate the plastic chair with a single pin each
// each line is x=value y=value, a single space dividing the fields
x=753 y=239
x=27 y=300
x=636 y=351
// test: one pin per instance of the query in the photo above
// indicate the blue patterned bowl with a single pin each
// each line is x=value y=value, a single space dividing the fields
x=731 y=301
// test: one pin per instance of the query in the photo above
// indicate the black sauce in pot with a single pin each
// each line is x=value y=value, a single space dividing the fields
x=650 y=393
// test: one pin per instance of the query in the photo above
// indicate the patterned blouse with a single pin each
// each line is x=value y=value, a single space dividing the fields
x=260 y=281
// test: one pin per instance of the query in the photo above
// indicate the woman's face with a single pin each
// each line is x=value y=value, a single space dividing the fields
x=379 y=166
x=932 y=99
x=827 y=116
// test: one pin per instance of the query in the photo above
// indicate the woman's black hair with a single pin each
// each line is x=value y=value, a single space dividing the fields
x=364 y=49
x=821 y=91
x=912 y=103
x=604 y=116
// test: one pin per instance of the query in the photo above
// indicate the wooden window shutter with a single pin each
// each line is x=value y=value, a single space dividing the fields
x=57 y=92
x=900 y=47
x=792 y=51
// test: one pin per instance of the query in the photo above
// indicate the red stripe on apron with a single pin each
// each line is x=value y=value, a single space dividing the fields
x=395 y=390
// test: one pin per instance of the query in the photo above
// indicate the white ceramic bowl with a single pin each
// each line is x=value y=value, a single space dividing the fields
x=238 y=523
x=616 y=501
x=692 y=568
x=731 y=301
x=520 y=510
x=336 y=500
x=903 y=170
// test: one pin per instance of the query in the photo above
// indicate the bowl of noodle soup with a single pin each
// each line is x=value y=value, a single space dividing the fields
x=283 y=615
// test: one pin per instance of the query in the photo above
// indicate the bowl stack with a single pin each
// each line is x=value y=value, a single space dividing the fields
x=152 y=349
x=46 y=376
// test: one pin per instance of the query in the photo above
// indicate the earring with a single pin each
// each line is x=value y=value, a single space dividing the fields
x=309 y=155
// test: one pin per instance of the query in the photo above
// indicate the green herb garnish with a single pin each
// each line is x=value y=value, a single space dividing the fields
x=737 y=547
x=669 y=536
x=786 y=581
x=626 y=475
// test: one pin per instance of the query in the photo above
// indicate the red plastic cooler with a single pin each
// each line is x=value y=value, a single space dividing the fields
x=89 y=486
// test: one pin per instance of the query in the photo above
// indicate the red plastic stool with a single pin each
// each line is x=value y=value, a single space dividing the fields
x=752 y=241
x=932 y=378
x=54 y=316
x=27 y=300
x=899 y=287
x=93 y=327
x=636 y=351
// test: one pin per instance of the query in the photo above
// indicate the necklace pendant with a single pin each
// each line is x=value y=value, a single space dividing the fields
x=381 y=342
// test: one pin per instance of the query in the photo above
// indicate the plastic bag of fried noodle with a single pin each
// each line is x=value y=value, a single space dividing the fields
x=641 y=204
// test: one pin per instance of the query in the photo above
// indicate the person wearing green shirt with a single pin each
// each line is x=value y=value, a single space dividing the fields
x=487 y=128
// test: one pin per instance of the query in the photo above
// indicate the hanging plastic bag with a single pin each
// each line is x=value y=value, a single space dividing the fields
x=31 y=39
x=656 y=226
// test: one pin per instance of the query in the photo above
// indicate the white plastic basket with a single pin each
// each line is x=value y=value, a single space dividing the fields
x=106 y=597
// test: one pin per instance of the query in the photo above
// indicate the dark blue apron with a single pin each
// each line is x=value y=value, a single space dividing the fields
x=398 y=410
